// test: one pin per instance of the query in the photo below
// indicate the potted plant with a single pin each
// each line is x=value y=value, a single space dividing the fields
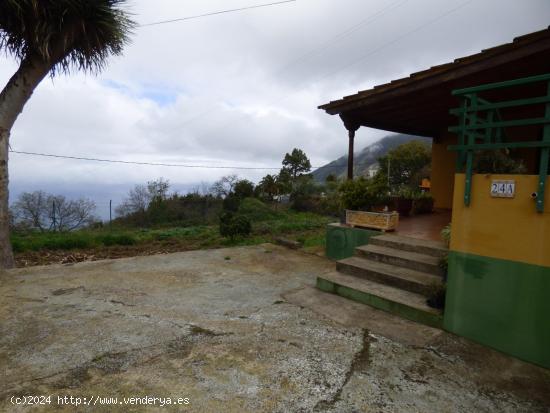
x=423 y=203
x=403 y=200
x=363 y=200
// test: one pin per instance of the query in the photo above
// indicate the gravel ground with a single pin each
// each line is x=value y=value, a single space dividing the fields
x=235 y=330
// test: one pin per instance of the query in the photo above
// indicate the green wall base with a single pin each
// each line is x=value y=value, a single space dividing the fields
x=342 y=240
x=502 y=304
x=402 y=310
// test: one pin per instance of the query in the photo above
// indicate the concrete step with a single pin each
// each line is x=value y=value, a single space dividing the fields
x=406 y=304
x=434 y=248
x=399 y=277
x=412 y=260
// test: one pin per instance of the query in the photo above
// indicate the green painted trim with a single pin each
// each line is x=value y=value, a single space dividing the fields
x=501 y=105
x=499 y=303
x=342 y=241
x=402 y=310
x=500 y=85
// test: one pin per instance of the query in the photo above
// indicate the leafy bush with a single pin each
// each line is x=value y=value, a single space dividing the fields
x=256 y=210
x=17 y=245
x=305 y=195
x=233 y=226
x=67 y=242
x=117 y=239
x=231 y=203
x=423 y=203
x=331 y=204
x=361 y=194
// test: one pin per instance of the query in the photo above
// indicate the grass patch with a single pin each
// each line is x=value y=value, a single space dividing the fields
x=308 y=228
x=52 y=241
x=117 y=239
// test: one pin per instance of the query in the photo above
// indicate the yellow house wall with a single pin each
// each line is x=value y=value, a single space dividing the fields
x=504 y=228
x=443 y=171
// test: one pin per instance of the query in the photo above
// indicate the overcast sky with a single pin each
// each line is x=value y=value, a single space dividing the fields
x=239 y=88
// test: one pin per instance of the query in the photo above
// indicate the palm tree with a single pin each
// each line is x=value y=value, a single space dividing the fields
x=50 y=36
x=269 y=187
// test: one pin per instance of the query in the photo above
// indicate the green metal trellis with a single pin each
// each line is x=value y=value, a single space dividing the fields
x=480 y=120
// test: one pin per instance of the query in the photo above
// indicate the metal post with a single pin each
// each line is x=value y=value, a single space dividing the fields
x=110 y=212
x=53 y=215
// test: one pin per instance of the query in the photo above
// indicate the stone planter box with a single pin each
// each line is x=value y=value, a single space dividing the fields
x=385 y=221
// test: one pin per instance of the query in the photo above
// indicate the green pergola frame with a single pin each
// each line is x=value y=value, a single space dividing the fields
x=473 y=127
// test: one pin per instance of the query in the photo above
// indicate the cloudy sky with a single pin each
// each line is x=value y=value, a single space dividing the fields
x=238 y=89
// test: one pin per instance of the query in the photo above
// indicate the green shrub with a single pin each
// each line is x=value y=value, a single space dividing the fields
x=67 y=242
x=423 y=203
x=361 y=194
x=17 y=245
x=305 y=195
x=231 y=203
x=117 y=239
x=233 y=226
x=256 y=210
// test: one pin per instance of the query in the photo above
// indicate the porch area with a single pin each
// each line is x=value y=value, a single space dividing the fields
x=425 y=226
x=489 y=117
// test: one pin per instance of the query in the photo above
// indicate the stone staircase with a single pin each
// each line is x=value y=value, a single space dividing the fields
x=392 y=273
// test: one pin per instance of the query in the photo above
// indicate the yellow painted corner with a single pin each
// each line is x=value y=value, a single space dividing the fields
x=504 y=228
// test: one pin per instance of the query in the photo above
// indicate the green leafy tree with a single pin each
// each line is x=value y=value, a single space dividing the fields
x=47 y=37
x=284 y=181
x=244 y=189
x=296 y=163
x=406 y=163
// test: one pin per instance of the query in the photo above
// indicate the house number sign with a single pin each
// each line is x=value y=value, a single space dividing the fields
x=503 y=189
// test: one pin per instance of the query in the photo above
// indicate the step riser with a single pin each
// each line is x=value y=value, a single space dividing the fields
x=381 y=303
x=382 y=278
x=400 y=262
x=420 y=249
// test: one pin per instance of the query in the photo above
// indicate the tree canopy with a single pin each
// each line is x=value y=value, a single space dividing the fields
x=408 y=163
x=296 y=163
x=64 y=34
x=50 y=36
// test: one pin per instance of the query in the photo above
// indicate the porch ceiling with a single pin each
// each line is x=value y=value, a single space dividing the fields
x=420 y=104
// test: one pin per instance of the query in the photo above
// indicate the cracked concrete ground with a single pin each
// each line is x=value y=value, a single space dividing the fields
x=237 y=330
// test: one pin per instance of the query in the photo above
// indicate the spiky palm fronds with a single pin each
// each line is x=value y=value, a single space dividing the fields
x=68 y=34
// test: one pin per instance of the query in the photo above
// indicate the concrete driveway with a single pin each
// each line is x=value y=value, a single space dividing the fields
x=233 y=330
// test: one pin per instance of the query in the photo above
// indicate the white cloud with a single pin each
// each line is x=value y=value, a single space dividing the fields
x=211 y=91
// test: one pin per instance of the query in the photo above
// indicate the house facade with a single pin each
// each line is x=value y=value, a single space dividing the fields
x=493 y=102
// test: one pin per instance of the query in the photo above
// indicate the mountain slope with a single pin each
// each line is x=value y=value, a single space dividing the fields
x=365 y=158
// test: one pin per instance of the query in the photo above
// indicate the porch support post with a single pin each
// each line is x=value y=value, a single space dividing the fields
x=351 y=134
x=352 y=127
